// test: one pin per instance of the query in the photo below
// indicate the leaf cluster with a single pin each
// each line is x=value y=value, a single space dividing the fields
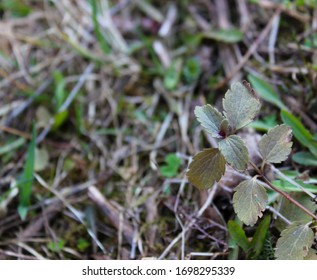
x=240 y=108
x=241 y=105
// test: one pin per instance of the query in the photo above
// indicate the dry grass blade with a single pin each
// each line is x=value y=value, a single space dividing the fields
x=111 y=213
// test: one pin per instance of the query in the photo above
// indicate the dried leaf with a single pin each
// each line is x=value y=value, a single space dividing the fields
x=249 y=201
x=235 y=152
x=41 y=159
x=240 y=105
x=275 y=146
x=207 y=167
x=43 y=117
x=295 y=242
x=210 y=119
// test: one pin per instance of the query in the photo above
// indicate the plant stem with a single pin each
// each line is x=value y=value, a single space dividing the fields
x=270 y=208
x=287 y=196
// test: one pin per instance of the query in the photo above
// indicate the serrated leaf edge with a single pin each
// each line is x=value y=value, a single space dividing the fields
x=252 y=94
x=265 y=158
x=219 y=114
x=217 y=178
x=234 y=200
x=294 y=224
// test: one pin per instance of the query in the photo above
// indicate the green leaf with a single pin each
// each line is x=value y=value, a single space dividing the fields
x=192 y=70
x=259 y=236
x=172 y=75
x=240 y=105
x=295 y=242
x=266 y=92
x=292 y=212
x=99 y=35
x=288 y=187
x=235 y=152
x=237 y=233
x=25 y=182
x=305 y=158
x=59 y=119
x=16 y=7
x=56 y=246
x=59 y=94
x=275 y=146
x=300 y=132
x=232 y=35
x=210 y=119
x=22 y=211
x=207 y=167
x=249 y=201
x=171 y=168
x=264 y=125
x=82 y=244
x=12 y=145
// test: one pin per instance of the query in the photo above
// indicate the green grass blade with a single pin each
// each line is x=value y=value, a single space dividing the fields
x=288 y=187
x=305 y=158
x=103 y=43
x=300 y=132
x=26 y=180
x=266 y=92
x=237 y=234
x=59 y=93
x=12 y=146
x=259 y=237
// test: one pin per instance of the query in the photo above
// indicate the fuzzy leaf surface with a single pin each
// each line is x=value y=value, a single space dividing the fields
x=210 y=119
x=235 y=152
x=241 y=106
x=295 y=242
x=275 y=146
x=249 y=201
x=207 y=167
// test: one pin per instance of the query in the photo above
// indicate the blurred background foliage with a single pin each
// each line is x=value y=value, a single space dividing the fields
x=97 y=125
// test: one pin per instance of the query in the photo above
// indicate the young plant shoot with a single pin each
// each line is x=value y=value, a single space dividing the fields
x=241 y=105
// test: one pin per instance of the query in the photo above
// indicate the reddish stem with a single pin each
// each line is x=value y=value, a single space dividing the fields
x=287 y=196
